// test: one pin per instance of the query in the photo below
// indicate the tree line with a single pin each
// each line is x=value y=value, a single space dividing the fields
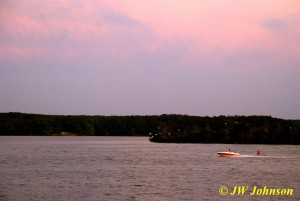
x=162 y=128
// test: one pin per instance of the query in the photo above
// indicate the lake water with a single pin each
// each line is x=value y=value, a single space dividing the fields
x=132 y=168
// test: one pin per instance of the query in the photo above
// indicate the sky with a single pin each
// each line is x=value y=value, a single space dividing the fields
x=150 y=57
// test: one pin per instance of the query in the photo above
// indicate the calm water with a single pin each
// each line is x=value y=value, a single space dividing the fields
x=132 y=168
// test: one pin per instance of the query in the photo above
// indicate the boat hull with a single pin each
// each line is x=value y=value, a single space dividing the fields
x=228 y=154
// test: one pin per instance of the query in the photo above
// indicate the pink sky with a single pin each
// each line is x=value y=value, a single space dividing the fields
x=212 y=38
x=206 y=26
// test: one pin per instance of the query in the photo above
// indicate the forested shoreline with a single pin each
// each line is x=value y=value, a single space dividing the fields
x=163 y=128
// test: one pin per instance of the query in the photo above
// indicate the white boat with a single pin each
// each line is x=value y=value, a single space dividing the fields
x=228 y=153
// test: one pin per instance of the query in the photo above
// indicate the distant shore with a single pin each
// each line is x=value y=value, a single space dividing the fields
x=65 y=134
x=159 y=128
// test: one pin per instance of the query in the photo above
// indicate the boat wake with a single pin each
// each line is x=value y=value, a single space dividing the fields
x=256 y=156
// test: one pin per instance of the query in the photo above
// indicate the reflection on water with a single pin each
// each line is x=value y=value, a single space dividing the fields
x=132 y=168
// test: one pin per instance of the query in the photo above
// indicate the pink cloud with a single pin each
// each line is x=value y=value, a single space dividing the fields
x=48 y=24
x=211 y=29
x=213 y=24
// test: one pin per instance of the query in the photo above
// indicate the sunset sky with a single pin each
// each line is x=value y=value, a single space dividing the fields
x=150 y=57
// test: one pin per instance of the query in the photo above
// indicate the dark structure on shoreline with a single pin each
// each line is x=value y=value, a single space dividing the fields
x=162 y=128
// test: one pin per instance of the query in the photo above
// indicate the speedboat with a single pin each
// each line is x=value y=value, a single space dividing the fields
x=228 y=154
